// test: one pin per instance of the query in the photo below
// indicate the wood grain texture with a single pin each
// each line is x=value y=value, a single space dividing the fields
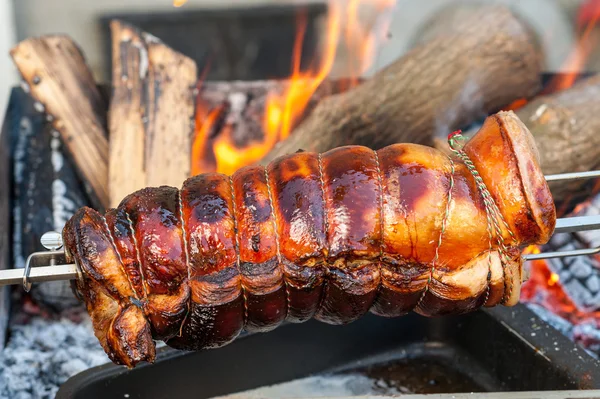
x=151 y=113
x=481 y=64
x=59 y=79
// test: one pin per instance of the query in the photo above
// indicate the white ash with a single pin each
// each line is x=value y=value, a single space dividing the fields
x=321 y=386
x=62 y=206
x=42 y=354
x=25 y=86
x=25 y=131
x=579 y=275
x=557 y=322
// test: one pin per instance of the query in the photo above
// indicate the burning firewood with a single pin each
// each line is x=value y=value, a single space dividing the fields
x=232 y=119
x=481 y=64
x=58 y=77
x=151 y=111
x=565 y=126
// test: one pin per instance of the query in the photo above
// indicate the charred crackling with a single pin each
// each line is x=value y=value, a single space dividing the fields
x=330 y=236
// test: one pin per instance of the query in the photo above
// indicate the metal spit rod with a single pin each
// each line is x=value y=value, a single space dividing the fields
x=51 y=265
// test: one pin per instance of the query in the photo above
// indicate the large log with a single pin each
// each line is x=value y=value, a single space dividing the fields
x=566 y=127
x=481 y=64
x=59 y=79
x=151 y=113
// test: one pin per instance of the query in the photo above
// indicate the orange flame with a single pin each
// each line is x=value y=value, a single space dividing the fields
x=578 y=57
x=179 y=3
x=362 y=41
x=575 y=62
x=283 y=111
x=204 y=123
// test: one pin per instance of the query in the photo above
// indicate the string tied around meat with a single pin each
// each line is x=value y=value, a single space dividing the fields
x=494 y=217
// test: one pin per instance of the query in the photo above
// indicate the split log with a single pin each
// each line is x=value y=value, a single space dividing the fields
x=566 y=128
x=151 y=113
x=483 y=63
x=239 y=113
x=57 y=76
x=46 y=190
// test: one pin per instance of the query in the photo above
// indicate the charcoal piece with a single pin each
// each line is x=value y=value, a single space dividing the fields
x=45 y=190
x=565 y=276
x=560 y=239
x=591 y=237
x=593 y=283
x=581 y=267
x=582 y=297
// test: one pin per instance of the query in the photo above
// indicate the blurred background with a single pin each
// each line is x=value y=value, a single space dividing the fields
x=555 y=21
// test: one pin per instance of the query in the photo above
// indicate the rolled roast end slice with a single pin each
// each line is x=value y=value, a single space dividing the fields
x=118 y=323
x=505 y=155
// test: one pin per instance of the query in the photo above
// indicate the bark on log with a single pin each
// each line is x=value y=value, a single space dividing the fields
x=151 y=113
x=482 y=64
x=566 y=127
x=58 y=78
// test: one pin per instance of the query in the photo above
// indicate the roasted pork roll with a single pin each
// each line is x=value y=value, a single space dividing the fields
x=330 y=236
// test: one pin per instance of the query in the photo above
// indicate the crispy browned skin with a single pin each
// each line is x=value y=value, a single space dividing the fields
x=329 y=236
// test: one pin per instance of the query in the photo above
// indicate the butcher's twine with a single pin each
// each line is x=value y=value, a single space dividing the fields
x=456 y=141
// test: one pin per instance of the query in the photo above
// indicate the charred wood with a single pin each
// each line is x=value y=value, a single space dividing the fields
x=46 y=190
x=240 y=109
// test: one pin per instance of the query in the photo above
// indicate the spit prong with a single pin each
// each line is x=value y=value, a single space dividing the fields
x=573 y=176
x=39 y=274
x=562 y=254
x=577 y=223
x=52 y=241
x=571 y=224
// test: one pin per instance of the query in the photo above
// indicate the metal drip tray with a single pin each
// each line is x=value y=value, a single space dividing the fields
x=496 y=350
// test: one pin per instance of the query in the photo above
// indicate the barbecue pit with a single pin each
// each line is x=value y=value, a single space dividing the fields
x=216 y=118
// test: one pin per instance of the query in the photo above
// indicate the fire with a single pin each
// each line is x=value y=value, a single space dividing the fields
x=553 y=279
x=362 y=41
x=283 y=111
x=588 y=20
x=179 y=3
x=204 y=122
x=532 y=249
x=576 y=61
x=544 y=288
